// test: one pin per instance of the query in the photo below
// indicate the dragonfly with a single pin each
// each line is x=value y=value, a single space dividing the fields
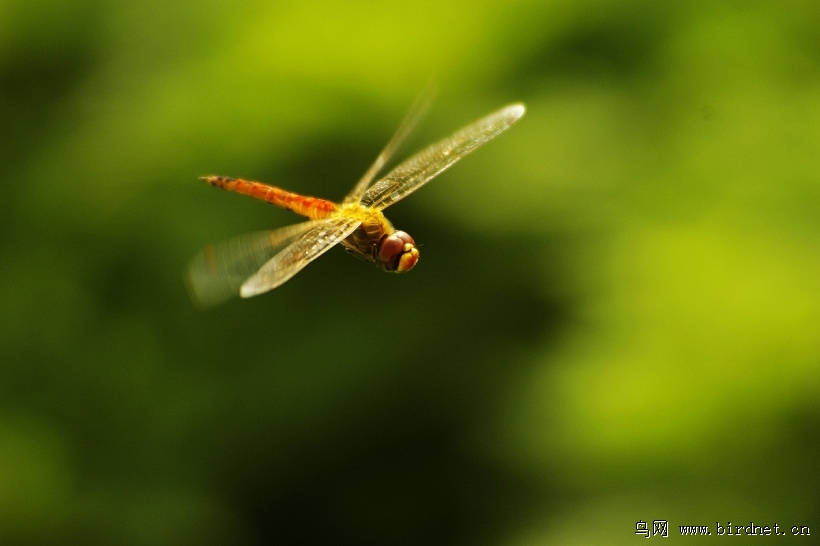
x=255 y=263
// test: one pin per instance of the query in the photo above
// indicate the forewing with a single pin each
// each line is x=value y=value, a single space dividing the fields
x=425 y=165
x=416 y=112
x=290 y=260
x=216 y=273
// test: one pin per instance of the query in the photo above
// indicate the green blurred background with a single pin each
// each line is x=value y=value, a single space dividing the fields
x=616 y=315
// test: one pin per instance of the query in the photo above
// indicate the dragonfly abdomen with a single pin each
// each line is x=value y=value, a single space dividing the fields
x=312 y=207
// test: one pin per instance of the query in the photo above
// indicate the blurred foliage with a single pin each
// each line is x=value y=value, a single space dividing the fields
x=615 y=317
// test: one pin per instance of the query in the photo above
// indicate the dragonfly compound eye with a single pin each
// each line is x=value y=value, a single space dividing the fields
x=398 y=252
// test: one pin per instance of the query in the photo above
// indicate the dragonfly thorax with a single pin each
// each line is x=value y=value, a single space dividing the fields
x=377 y=241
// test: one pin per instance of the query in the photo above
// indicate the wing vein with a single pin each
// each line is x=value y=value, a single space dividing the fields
x=425 y=165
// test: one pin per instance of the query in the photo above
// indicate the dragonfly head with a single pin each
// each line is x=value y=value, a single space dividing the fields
x=397 y=252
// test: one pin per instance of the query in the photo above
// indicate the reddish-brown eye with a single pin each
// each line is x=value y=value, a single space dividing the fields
x=398 y=252
x=391 y=247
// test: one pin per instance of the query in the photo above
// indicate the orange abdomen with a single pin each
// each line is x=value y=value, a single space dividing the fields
x=312 y=207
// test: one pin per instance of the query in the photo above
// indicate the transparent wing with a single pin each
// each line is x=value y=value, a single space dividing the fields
x=313 y=243
x=422 y=167
x=416 y=112
x=216 y=274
